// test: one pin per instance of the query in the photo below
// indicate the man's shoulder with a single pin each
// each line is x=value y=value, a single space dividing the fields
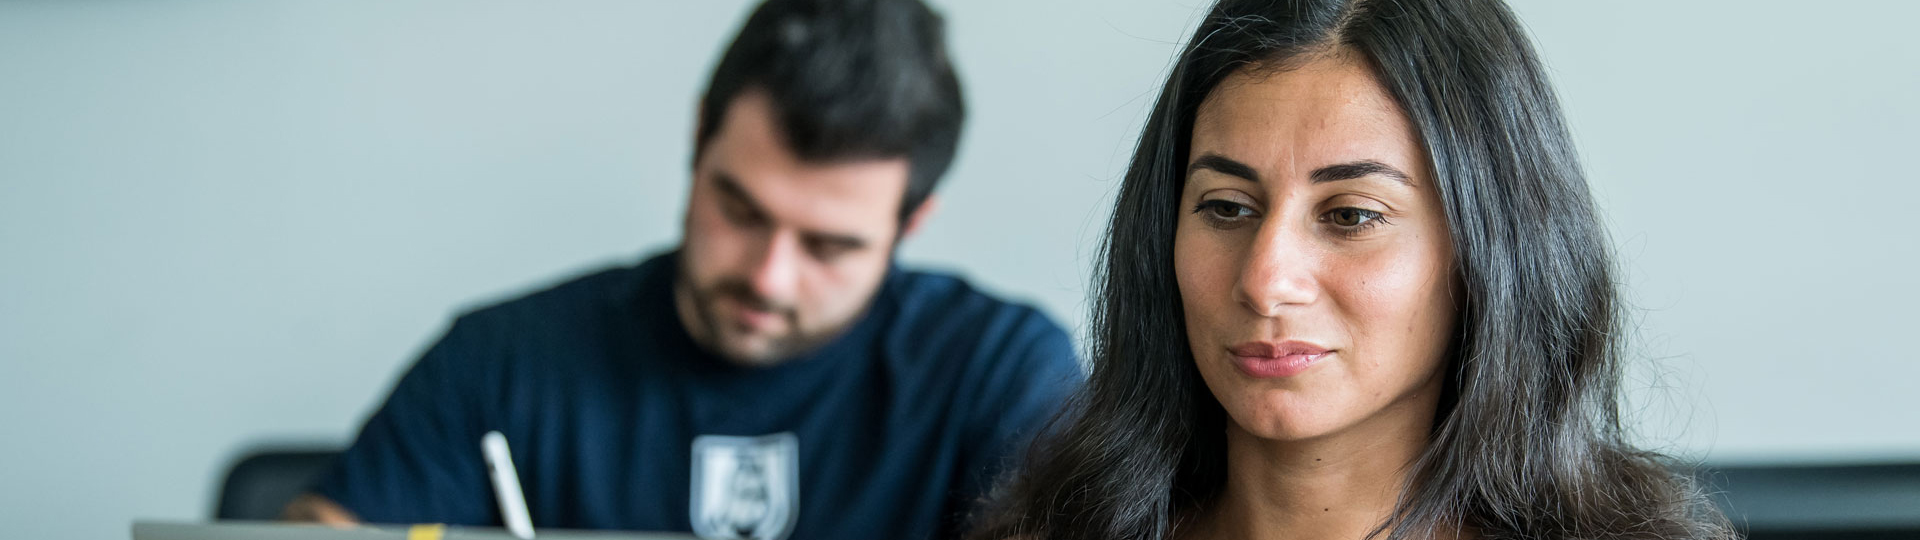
x=931 y=295
x=994 y=352
x=933 y=306
x=571 y=303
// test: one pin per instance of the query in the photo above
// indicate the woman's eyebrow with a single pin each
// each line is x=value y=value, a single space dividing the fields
x=1223 y=165
x=1359 y=169
x=1331 y=173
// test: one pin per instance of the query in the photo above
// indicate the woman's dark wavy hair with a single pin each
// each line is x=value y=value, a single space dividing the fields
x=1528 y=440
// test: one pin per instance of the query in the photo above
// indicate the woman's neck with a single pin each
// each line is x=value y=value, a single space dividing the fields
x=1337 y=487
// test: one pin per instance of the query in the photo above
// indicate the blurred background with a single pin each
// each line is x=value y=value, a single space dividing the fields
x=230 y=225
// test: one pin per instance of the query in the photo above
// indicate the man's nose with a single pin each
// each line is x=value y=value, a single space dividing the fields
x=775 y=275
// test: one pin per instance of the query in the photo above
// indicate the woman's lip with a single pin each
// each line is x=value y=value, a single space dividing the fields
x=1270 y=349
x=1262 y=367
x=1266 y=359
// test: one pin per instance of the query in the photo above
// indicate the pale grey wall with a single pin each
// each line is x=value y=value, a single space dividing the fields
x=224 y=223
x=1755 y=160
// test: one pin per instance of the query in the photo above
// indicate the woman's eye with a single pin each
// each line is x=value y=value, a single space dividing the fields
x=1350 y=218
x=1223 y=210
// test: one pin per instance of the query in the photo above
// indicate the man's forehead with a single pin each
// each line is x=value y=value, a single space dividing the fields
x=849 y=197
x=860 y=199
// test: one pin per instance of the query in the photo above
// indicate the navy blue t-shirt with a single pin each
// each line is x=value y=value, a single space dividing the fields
x=893 y=430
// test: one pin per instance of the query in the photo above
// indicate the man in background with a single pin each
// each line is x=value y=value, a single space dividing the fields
x=777 y=375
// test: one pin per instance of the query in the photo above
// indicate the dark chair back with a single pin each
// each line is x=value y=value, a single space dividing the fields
x=1820 y=502
x=261 y=484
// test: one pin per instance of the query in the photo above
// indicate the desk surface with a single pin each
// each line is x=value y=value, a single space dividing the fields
x=256 y=530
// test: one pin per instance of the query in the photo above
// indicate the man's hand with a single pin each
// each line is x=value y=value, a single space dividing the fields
x=313 y=508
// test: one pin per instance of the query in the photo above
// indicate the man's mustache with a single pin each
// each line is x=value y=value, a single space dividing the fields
x=743 y=293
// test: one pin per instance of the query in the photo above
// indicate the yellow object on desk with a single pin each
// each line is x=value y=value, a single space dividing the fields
x=426 y=531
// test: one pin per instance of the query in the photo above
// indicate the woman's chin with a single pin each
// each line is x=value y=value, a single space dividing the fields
x=1280 y=419
x=1282 y=431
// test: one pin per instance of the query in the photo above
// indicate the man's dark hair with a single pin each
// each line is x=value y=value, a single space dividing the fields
x=849 y=80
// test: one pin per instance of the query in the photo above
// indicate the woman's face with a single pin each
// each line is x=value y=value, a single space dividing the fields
x=1312 y=255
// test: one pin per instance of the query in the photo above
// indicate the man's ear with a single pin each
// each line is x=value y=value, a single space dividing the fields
x=919 y=216
x=694 y=161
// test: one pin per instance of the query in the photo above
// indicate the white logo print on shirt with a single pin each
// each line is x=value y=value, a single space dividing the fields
x=745 y=488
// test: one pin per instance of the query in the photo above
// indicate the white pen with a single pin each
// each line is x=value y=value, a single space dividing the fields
x=506 y=485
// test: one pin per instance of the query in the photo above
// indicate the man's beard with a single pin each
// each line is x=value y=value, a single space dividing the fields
x=717 y=329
